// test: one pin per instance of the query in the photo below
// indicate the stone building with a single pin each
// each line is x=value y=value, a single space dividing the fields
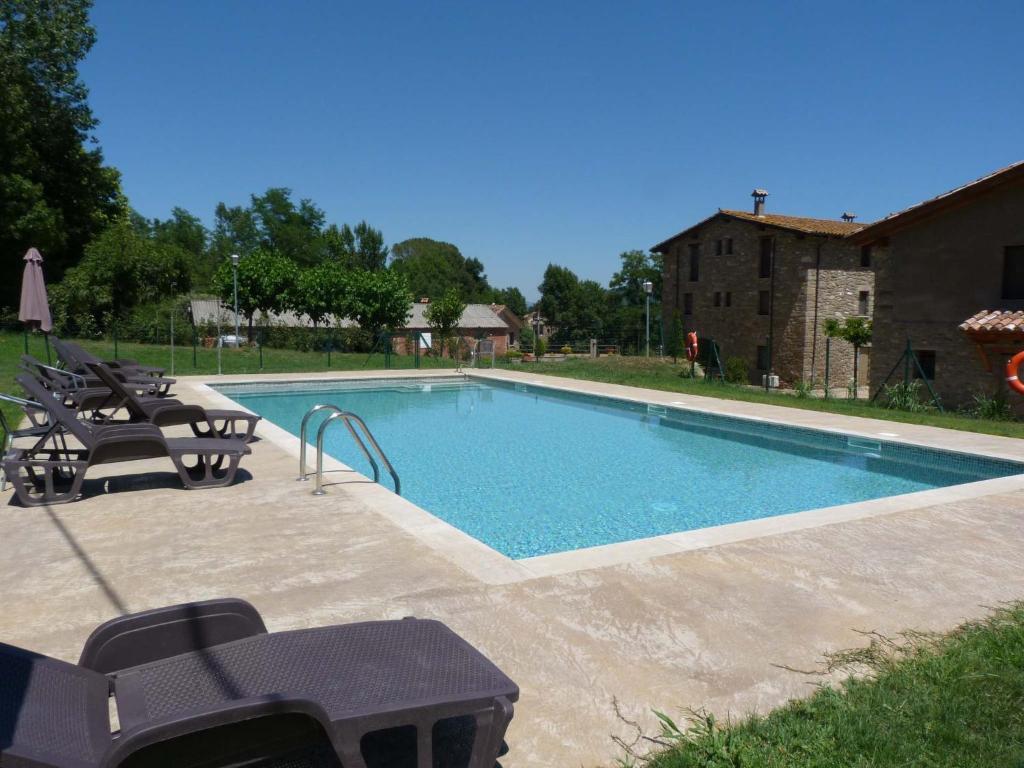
x=951 y=261
x=479 y=322
x=761 y=285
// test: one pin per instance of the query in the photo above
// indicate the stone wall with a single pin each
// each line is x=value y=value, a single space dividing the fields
x=934 y=275
x=815 y=277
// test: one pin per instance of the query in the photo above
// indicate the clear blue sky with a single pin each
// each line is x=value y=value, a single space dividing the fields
x=536 y=132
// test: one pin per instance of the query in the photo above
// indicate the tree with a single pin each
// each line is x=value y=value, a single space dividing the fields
x=443 y=317
x=627 y=298
x=320 y=291
x=857 y=331
x=55 y=192
x=432 y=267
x=513 y=299
x=377 y=300
x=290 y=230
x=120 y=270
x=265 y=281
x=575 y=309
x=676 y=346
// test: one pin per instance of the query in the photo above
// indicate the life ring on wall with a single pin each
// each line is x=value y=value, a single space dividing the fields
x=691 y=347
x=1011 y=373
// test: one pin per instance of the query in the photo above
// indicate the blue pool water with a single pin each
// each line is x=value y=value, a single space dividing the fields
x=531 y=471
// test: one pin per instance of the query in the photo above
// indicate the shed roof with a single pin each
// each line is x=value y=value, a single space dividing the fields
x=475 y=316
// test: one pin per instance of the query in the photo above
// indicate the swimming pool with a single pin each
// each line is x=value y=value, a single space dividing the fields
x=531 y=471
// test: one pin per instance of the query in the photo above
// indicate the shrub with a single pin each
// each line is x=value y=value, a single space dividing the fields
x=736 y=370
x=566 y=349
x=542 y=347
x=803 y=388
x=992 y=407
x=905 y=396
x=513 y=352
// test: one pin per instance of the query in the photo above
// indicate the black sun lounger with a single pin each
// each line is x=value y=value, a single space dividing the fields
x=76 y=357
x=51 y=472
x=204 y=684
x=205 y=422
x=71 y=383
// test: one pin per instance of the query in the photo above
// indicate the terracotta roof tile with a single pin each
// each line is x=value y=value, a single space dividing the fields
x=801 y=223
x=995 y=321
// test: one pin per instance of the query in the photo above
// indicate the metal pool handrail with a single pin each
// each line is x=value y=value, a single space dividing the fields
x=347 y=417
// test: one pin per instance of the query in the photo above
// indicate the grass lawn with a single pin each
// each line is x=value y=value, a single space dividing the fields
x=664 y=375
x=244 y=360
x=952 y=702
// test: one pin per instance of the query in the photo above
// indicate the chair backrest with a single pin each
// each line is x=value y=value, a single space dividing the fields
x=59 y=412
x=51 y=713
x=125 y=395
x=65 y=353
x=82 y=355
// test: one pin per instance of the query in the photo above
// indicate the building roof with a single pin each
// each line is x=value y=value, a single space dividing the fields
x=802 y=224
x=475 y=316
x=995 y=321
x=951 y=199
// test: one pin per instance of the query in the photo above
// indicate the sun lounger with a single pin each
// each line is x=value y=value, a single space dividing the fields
x=166 y=412
x=52 y=472
x=76 y=357
x=204 y=684
x=72 y=387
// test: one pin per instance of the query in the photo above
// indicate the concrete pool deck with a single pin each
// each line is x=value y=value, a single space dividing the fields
x=666 y=626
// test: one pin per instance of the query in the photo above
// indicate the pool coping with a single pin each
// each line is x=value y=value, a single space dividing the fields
x=492 y=567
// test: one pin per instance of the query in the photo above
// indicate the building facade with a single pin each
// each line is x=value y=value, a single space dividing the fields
x=478 y=323
x=762 y=285
x=939 y=265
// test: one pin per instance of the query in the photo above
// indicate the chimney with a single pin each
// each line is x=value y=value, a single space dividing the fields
x=759 y=195
x=848 y=217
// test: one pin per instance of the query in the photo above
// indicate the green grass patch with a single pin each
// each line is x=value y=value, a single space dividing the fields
x=664 y=375
x=952 y=701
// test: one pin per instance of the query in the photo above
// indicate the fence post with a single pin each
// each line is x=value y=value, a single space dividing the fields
x=259 y=341
x=828 y=354
x=906 y=362
x=330 y=344
x=115 y=339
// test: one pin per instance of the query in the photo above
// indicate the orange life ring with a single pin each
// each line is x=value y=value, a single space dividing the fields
x=691 y=347
x=1011 y=373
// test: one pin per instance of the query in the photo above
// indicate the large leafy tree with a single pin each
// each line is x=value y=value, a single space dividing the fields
x=575 y=309
x=121 y=269
x=321 y=291
x=432 y=267
x=265 y=281
x=513 y=299
x=359 y=247
x=377 y=300
x=55 y=192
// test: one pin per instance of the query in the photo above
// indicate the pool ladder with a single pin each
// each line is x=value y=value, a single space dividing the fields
x=348 y=418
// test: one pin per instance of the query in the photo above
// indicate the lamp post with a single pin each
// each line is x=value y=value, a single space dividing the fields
x=648 y=287
x=234 y=268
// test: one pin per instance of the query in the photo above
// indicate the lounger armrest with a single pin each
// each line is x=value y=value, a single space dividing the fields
x=143 y=637
x=181 y=739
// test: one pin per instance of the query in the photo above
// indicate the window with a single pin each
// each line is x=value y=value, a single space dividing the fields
x=728 y=245
x=694 y=262
x=767 y=252
x=728 y=298
x=1013 y=272
x=718 y=247
x=865 y=255
x=764 y=302
x=718 y=298
x=762 y=358
x=926 y=359
x=863 y=299
x=687 y=303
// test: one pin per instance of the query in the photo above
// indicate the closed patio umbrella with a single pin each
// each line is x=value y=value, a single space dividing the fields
x=34 y=311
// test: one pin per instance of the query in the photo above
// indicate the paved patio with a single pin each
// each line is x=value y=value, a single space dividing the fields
x=692 y=622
